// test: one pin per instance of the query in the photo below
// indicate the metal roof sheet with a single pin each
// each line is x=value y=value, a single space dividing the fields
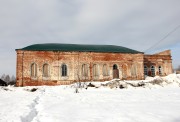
x=78 y=48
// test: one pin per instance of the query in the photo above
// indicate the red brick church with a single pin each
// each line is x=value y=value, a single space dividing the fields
x=56 y=64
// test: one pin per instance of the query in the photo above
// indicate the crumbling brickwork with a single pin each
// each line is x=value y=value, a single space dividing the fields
x=162 y=63
x=128 y=66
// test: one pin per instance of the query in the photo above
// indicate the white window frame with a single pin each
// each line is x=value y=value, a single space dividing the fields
x=153 y=71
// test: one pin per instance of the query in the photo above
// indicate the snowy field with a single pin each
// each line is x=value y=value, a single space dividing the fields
x=148 y=103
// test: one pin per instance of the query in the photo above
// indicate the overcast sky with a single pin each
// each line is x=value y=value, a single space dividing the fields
x=136 y=24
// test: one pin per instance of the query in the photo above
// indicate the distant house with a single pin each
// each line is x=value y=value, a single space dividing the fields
x=56 y=64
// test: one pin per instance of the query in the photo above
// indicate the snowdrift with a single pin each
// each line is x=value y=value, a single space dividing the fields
x=149 y=82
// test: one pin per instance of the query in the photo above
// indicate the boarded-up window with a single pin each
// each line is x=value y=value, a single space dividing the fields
x=105 y=70
x=124 y=71
x=152 y=71
x=133 y=70
x=85 y=70
x=95 y=70
x=160 y=70
x=45 y=70
x=34 y=70
x=145 y=70
x=64 y=70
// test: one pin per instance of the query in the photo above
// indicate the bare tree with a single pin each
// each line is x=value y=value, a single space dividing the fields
x=13 y=79
x=78 y=83
x=7 y=79
x=3 y=77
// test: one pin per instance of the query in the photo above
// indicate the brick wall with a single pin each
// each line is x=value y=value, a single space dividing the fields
x=130 y=66
x=162 y=59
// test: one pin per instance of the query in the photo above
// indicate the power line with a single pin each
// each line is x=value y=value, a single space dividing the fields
x=163 y=38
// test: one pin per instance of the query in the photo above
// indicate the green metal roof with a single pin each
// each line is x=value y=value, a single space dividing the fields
x=78 y=48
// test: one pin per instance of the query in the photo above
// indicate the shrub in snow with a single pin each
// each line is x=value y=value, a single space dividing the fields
x=139 y=84
x=79 y=85
x=116 y=84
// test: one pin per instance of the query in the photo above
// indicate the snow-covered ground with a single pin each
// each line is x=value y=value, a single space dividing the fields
x=149 y=103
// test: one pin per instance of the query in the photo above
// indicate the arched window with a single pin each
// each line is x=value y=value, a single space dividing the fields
x=105 y=70
x=115 y=71
x=64 y=70
x=145 y=70
x=45 y=70
x=34 y=70
x=84 y=70
x=152 y=71
x=95 y=70
x=160 y=70
x=115 y=66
